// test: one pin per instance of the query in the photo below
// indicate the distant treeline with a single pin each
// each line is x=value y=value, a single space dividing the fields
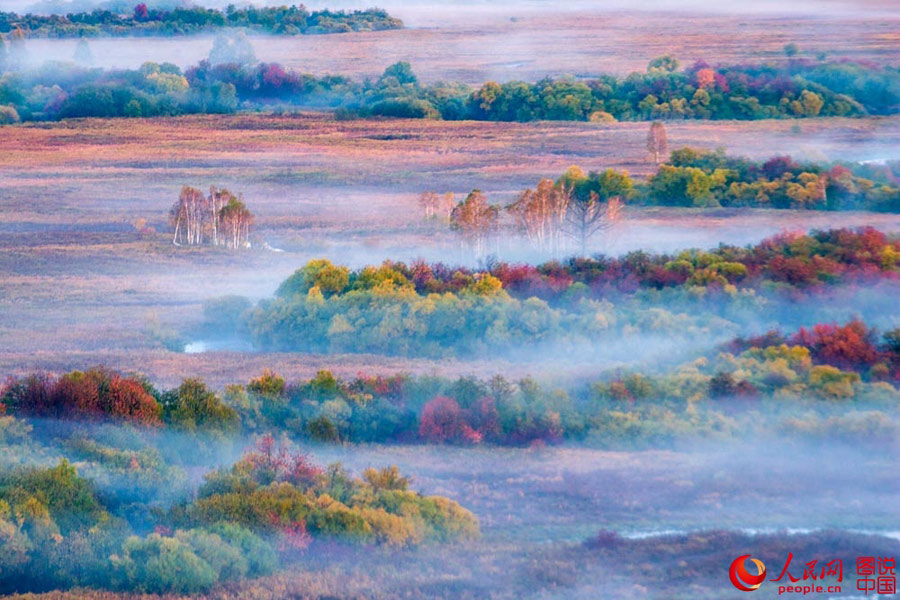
x=793 y=261
x=796 y=89
x=144 y=21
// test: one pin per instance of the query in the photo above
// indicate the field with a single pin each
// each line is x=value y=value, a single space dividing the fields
x=537 y=506
x=525 y=41
x=624 y=427
x=75 y=196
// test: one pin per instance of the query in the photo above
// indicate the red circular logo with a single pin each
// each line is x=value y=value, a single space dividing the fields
x=742 y=579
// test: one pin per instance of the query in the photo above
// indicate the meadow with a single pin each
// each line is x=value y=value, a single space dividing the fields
x=85 y=203
x=345 y=374
x=526 y=41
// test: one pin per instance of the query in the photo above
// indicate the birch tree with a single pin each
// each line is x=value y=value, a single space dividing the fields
x=541 y=213
x=188 y=216
x=235 y=220
x=475 y=220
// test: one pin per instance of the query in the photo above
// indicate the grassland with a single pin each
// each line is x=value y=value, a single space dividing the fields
x=88 y=274
x=478 y=42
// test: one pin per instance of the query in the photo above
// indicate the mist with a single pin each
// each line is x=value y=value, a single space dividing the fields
x=355 y=397
x=540 y=509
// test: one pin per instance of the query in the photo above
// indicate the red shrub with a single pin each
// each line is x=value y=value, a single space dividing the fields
x=847 y=347
x=441 y=420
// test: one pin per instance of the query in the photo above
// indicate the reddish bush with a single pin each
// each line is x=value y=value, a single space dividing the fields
x=276 y=462
x=850 y=346
x=96 y=393
x=441 y=420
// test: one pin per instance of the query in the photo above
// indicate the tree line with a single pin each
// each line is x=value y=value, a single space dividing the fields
x=576 y=305
x=578 y=206
x=702 y=178
x=781 y=375
x=797 y=89
x=186 y=20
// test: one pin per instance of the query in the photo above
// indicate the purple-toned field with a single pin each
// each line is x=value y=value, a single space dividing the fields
x=474 y=42
x=643 y=492
x=82 y=285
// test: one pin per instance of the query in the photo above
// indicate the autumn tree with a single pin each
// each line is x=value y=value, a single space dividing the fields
x=435 y=205
x=657 y=141
x=236 y=219
x=663 y=64
x=187 y=216
x=221 y=218
x=475 y=220
x=217 y=200
x=441 y=420
x=540 y=213
x=601 y=209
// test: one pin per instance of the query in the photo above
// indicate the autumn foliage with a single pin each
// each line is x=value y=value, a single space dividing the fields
x=93 y=394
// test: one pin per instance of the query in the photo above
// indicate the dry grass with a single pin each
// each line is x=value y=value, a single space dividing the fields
x=482 y=41
x=79 y=285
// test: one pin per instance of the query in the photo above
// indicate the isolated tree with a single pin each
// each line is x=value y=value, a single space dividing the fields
x=475 y=220
x=601 y=210
x=235 y=220
x=791 y=50
x=540 y=213
x=188 y=215
x=657 y=141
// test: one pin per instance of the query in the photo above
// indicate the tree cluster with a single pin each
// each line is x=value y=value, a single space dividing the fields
x=188 y=20
x=701 y=178
x=100 y=394
x=60 y=529
x=218 y=219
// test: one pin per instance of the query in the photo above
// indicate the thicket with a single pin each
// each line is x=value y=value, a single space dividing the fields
x=701 y=178
x=187 y=20
x=60 y=530
x=435 y=310
x=825 y=381
x=229 y=81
